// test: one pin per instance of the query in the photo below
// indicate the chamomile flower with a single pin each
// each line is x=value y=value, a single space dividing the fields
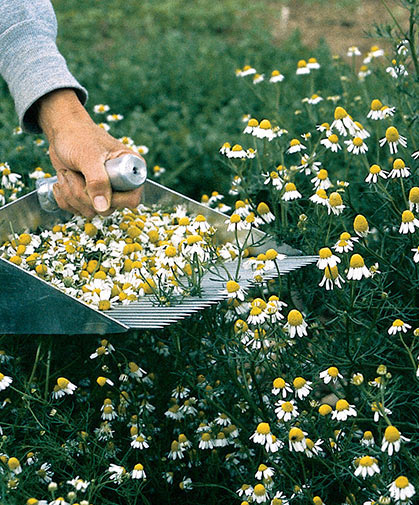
x=286 y=410
x=398 y=326
x=302 y=387
x=251 y=125
x=14 y=465
x=379 y=410
x=392 y=440
x=331 y=278
x=313 y=100
x=274 y=179
x=265 y=213
x=399 y=169
x=353 y=51
x=264 y=130
x=343 y=410
x=375 y=111
x=324 y=127
x=260 y=494
x=138 y=472
x=343 y=122
x=374 y=173
x=331 y=374
x=332 y=143
x=225 y=148
x=361 y=226
x=302 y=68
x=281 y=387
x=308 y=164
x=291 y=192
x=313 y=448
x=356 y=146
x=326 y=258
x=414 y=199
x=393 y=138
x=416 y=255
x=409 y=222
x=296 y=324
x=364 y=71
x=114 y=117
x=5 y=381
x=335 y=204
x=361 y=131
x=367 y=467
x=367 y=439
x=276 y=76
x=79 y=484
x=313 y=64
x=297 y=440
x=263 y=436
x=63 y=387
x=264 y=472
x=246 y=70
x=101 y=108
x=295 y=146
x=233 y=290
x=374 y=52
x=236 y=152
x=320 y=197
x=117 y=473
x=321 y=180
x=258 y=78
x=357 y=268
x=401 y=490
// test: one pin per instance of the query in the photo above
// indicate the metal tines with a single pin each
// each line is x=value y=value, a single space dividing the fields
x=30 y=305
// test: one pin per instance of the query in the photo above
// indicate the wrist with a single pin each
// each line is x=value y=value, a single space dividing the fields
x=59 y=108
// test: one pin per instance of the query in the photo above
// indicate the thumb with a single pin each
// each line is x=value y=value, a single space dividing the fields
x=98 y=186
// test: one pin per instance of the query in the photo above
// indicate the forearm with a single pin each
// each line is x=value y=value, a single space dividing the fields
x=55 y=110
x=29 y=59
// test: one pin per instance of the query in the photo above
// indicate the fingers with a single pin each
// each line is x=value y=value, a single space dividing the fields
x=70 y=194
x=98 y=186
x=126 y=199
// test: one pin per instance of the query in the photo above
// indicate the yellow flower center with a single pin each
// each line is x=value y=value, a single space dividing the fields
x=290 y=186
x=62 y=382
x=101 y=381
x=259 y=490
x=279 y=383
x=265 y=124
x=392 y=135
x=325 y=252
x=184 y=221
x=398 y=164
x=331 y=272
x=335 y=199
x=322 y=175
x=398 y=323
x=287 y=407
x=360 y=223
x=302 y=64
x=237 y=147
x=262 y=208
x=294 y=142
x=104 y=305
x=340 y=113
x=357 y=141
x=322 y=194
x=170 y=251
x=232 y=286
x=333 y=371
x=414 y=195
x=333 y=138
x=366 y=461
x=138 y=467
x=392 y=434
x=295 y=318
x=356 y=261
x=271 y=254
x=325 y=409
x=342 y=405
x=376 y=104
x=13 y=463
x=408 y=217
x=299 y=382
x=193 y=239
x=368 y=435
x=375 y=169
x=255 y=311
x=295 y=435
x=275 y=73
x=263 y=428
x=401 y=482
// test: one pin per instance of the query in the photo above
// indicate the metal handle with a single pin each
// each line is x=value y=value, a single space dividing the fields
x=125 y=173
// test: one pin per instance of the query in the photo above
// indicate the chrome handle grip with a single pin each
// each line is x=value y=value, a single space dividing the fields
x=125 y=173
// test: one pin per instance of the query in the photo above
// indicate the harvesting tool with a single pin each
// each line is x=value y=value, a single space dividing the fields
x=30 y=305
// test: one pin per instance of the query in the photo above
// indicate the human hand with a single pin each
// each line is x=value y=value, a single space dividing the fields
x=78 y=150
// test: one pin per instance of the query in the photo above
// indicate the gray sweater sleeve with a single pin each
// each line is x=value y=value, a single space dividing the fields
x=29 y=59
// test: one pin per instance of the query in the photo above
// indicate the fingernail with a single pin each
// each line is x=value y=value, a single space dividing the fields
x=100 y=203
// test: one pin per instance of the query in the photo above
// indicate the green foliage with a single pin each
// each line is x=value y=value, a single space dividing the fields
x=171 y=73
